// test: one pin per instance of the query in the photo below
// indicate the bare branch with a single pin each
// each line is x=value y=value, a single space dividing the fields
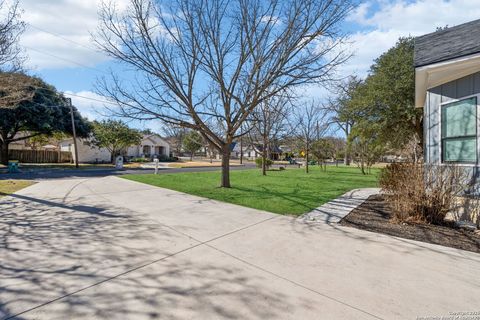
x=214 y=62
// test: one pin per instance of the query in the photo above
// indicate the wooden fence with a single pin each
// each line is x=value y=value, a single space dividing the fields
x=40 y=156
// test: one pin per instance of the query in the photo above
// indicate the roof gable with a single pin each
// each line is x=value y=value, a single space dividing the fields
x=154 y=139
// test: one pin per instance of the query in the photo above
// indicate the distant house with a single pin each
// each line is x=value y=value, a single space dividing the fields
x=151 y=146
x=26 y=144
x=87 y=153
x=253 y=151
x=19 y=145
x=447 y=87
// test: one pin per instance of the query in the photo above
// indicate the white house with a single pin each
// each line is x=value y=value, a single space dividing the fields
x=151 y=146
x=253 y=151
x=87 y=153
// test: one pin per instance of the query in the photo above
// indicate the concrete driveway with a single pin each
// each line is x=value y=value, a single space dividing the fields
x=109 y=248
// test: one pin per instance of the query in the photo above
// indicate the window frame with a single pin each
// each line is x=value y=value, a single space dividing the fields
x=443 y=106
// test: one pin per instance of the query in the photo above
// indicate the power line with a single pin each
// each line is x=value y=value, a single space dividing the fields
x=71 y=61
x=89 y=98
x=67 y=60
x=95 y=50
x=75 y=95
x=64 y=38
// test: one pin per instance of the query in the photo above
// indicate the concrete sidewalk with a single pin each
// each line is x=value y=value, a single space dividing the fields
x=109 y=248
x=335 y=210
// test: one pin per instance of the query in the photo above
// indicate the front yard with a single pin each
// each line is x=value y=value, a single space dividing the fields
x=375 y=215
x=291 y=192
x=10 y=186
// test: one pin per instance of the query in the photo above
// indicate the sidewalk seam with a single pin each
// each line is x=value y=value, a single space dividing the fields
x=139 y=267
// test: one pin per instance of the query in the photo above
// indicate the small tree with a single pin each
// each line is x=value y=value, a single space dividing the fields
x=30 y=106
x=270 y=122
x=192 y=142
x=115 y=136
x=322 y=149
x=310 y=123
x=341 y=109
x=339 y=148
x=54 y=139
x=175 y=136
x=366 y=146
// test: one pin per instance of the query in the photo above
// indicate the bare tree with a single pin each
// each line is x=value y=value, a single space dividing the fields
x=11 y=27
x=310 y=122
x=204 y=62
x=339 y=106
x=339 y=147
x=174 y=134
x=270 y=123
x=327 y=147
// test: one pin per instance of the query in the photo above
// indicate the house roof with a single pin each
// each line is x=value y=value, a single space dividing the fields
x=273 y=149
x=447 y=44
x=154 y=138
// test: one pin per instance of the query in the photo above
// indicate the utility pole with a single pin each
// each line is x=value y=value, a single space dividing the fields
x=69 y=101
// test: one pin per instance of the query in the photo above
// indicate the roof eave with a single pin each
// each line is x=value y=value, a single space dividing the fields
x=433 y=75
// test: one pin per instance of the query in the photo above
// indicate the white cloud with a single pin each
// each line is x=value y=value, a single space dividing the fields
x=72 y=20
x=367 y=46
x=96 y=107
x=393 y=19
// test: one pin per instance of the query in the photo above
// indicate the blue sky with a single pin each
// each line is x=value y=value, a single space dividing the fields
x=58 y=39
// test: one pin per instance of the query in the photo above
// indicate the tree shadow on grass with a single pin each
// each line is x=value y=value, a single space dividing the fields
x=293 y=197
x=51 y=250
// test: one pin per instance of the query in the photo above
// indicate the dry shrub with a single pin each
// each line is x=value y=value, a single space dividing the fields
x=421 y=192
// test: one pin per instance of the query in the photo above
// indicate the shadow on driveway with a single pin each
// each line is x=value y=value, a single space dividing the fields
x=101 y=261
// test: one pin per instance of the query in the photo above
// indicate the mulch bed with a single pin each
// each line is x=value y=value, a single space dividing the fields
x=374 y=215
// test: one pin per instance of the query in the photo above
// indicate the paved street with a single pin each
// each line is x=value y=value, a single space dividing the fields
x=69 y=173
x=109 y=248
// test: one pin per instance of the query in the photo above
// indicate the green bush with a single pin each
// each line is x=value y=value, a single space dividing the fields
x=139 y=160
x=165 y=158
x=268 y=162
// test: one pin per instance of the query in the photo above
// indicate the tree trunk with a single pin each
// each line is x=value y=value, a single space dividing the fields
x=191 y=156
x=306 y=160
x=362 y=160
x=4 y=153
x=226 y=166
x=345 y=159
x=264 y=164
x=264 y=158
x=241 y=150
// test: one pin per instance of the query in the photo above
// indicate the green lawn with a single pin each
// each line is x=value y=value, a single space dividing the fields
x=290 y=192
x=10 y=186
